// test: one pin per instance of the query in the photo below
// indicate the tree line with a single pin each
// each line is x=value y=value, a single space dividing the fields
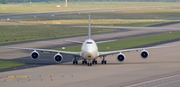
x=25 y=1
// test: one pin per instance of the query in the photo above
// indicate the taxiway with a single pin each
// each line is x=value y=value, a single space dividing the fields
x=159 y=70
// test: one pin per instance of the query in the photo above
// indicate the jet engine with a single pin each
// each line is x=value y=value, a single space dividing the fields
x=34 y=55
x=144 y=54
x=121 y=57
x=58 y=58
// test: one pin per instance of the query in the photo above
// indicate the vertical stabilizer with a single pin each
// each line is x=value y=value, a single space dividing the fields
x=89 y=28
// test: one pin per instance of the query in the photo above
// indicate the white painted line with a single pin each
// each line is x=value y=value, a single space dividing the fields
x=152 y=80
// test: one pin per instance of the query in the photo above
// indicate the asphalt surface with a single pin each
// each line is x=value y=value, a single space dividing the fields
x=160 y=69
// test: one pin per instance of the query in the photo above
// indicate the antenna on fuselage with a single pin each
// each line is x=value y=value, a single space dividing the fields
x=89 y=28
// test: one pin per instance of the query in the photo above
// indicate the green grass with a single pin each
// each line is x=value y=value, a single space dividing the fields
x=116 y=22
x=131 y=42
x=9 y=64
x=44 y=7
x=124 y=15
x=12 y=33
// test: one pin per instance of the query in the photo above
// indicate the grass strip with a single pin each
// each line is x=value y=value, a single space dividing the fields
x=9 y=64
x=12 y=33
x=116 y=22
x=44 y=7
x=131 y=42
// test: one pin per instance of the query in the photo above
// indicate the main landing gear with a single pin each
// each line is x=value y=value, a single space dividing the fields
x=75 y=60
x=89 y=62
x=94 y=61
x=84 y=62
x=103 y=60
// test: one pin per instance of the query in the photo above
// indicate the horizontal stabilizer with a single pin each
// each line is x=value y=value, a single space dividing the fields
x=74 y=41
x=105 y=41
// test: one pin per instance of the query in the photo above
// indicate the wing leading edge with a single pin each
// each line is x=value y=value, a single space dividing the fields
x=127 y=50
x=46 y=50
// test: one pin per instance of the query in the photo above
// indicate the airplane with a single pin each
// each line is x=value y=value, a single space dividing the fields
x=89 y=51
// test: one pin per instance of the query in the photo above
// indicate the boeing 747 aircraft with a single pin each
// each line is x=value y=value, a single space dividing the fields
x=89 y=51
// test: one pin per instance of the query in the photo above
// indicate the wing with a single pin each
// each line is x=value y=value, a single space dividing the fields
x=127 y=50
x=46 y=50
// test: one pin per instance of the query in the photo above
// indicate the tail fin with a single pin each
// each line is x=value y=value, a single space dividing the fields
x=89 y=28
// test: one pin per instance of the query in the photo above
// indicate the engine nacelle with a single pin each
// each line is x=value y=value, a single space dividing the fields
x=34 y=55
x=144 y=54
x=58 y=58
x=121 y=57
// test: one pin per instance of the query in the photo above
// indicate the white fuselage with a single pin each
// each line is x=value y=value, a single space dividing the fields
x=89 y=50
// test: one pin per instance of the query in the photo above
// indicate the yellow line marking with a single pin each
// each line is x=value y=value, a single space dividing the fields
x=12 y=77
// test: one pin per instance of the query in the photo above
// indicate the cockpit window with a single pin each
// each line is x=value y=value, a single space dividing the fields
x=89 y=42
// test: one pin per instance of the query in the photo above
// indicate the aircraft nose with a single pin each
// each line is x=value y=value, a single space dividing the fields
x=89 y=54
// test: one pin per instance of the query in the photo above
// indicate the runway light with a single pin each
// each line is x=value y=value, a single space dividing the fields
x=62 y=76
x=17 y=79
x=51 y=79
x=29 y=80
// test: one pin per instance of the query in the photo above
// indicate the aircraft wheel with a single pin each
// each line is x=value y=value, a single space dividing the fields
x=96 y=62
x=83 y=62
x=103 y=62
x=89 y=64
x=75 y=62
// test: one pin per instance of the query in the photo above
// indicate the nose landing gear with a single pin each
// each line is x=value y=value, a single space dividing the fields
x=89 y=64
